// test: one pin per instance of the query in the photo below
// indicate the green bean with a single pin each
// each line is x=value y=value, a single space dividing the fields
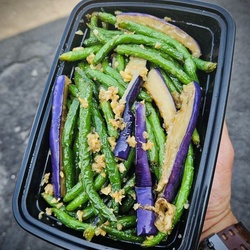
x=171 y=86
x=206 y=66
x=119 y=63
x=147 y=31
x=78 y=199
x=113 y=73
x=104 y=79
x=67 y=139
x=79 y=54
x=196 y=137
x=190 y=68
x=113 y=172
x=126 y=221
x=156 y=239
x=106 y=17
x=76 y=154
x=186 y=184
x=153 y=154
x=108 y=115
x=120 y=235
x=159 y=133
x=73 y=192
x=70 y=221
x=85 y=92
x=135 y=39
x=168 y=66
x=128 y=163
x=91 y=41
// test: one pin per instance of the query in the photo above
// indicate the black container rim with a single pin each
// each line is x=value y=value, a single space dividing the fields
x=211 y=144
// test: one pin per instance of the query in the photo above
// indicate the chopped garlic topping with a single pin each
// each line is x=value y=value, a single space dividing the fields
x=100 y=231
x=165 y=212
x=59 y=205
x=45 y=179
x=48 y=210
x=118 y=195
x=118 y=123
x=110 y=94
x=131 y=141
x=117 y=107
x=126 y=75
x=79 y=215
x=112 y=142
x=106 y=190
x=94 y=142
x=77 y=49
x=40 y=215
x=121 y=167
x=158 y=45
x=90 y=58
x=61 y=174
x=99 y=163
x=119 y=226
x=79 y=32
x=136 y=206
x=145 y=135
x=147 y=146
x=84 y=102
x=95 y=32
x=49 y=189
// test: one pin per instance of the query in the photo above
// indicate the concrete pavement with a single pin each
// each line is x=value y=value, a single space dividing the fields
x=30 y=33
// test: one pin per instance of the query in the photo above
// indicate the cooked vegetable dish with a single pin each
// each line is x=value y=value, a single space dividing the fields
x=123 y=129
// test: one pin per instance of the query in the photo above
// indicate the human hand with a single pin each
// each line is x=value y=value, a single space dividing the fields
x=219 y=214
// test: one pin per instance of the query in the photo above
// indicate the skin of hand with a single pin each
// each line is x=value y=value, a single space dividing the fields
x=219 y=214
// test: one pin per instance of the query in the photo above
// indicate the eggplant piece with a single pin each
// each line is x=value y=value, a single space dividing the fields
x=143 y=180
x=122 y=147
x=158 y=90
x=164 y=27
x=58 y=115
x=179 y=137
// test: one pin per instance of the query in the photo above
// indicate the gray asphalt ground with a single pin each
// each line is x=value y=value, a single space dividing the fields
x=25 y=60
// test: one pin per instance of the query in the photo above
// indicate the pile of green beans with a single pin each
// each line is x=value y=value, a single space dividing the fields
x=84 y=207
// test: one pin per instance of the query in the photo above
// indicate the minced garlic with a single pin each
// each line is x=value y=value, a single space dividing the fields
x=117 y=123
x=147 y=146
x=48 y=210
x=106 y=190
x=112 y=142
x=136 y=206
x=45 y=179
x=118 y=195
x=94 y=142
x=79 y=215
x=117 y=107
x=110 y=94
x=126 y=75
x=131 y=141
x=49 y=189
x=99 y=163
x=40 y=215
x=90 y=58
x=157 y=45
x=77 y=48
x=121 y=167
x=84 y=102
x=145 y=135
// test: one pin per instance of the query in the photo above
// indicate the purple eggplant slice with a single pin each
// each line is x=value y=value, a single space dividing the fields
x=145 y=213
x=122 y=147
x=164 y=27
x=178 y=140
x=158 y=90
x=143 y=181
x=57 y=120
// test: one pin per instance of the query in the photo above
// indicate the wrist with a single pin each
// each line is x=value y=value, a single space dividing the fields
x=218 y=223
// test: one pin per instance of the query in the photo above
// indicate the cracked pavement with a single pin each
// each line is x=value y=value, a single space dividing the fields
x=25 y=62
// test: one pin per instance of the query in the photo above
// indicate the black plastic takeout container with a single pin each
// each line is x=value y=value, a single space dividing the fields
x=214 y=30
